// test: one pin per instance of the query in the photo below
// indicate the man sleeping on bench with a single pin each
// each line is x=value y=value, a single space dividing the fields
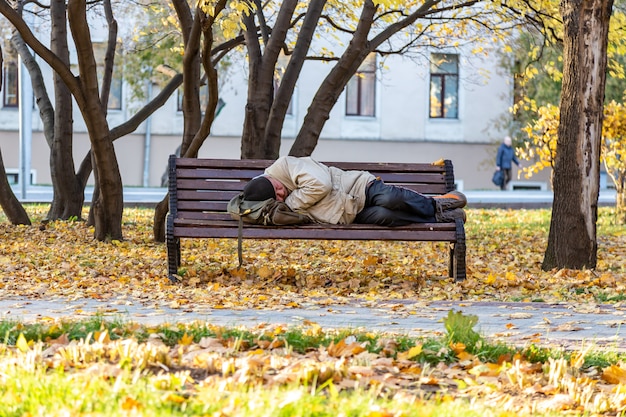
x=331 y=195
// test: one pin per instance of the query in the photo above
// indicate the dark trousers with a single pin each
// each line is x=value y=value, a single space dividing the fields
x=389 y=205
x=507 y=178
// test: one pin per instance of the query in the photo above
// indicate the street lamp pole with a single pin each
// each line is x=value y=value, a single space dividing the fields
x=25 y=106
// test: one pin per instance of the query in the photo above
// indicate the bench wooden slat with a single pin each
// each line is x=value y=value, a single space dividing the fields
x=235 y=172
x=202 y=179
x=205 y=195
x=221 y=220
x=221 y=193
x=213 y=183
x=205 y=184
x=261 y=164
x=226 y=174
x=201 y=188
x=317 y=233
x=203 y=216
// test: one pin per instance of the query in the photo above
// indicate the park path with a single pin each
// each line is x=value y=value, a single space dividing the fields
x=557 y=325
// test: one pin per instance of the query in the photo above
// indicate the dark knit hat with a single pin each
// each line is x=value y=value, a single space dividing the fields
x=259 y=189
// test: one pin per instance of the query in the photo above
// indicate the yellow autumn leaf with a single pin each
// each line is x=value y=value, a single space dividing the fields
x=342 y=349
x=411 y=353
x=264 y=272
x=130 y=403
x=414 y=351
x=457 y=347
x=486 y=369
x=175 y=398
x=380 y=413
x=371 y=260
x=102 y=337
x=312 y=329
x=21 y=343
x=465 y=356
x=186 y=340
x=614 y=374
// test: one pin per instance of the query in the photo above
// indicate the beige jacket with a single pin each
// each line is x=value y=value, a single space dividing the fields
x=328 y=194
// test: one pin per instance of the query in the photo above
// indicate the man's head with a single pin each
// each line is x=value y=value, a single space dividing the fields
x=507 y=140
x=259 y=189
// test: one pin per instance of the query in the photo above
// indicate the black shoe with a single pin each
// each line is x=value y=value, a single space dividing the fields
x=449 y=201
x=449 y=216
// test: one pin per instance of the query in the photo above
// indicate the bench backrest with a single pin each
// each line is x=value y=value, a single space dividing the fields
x=201 y=188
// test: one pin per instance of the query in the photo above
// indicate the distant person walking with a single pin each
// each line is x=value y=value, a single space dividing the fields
x=504 y=160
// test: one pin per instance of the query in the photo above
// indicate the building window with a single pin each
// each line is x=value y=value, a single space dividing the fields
x=115 y=93
x=10 y=85
x=361 y=90
x=179 y=99
x=289 y=111
x=204 y=98
x=444 y=86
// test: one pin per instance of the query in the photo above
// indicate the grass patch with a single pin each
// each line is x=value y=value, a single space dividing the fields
x=98 y=367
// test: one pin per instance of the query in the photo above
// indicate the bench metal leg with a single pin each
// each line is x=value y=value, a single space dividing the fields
x=173 y=251
x=173 y=259
x=457 y=268
x=451 y=262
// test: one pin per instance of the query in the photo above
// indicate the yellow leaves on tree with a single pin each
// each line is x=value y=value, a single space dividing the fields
x=614 y=152
x=540 y=149
x=541 y=146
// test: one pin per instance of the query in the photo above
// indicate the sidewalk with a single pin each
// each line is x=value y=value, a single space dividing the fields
x=519 y=324
x=476 y=198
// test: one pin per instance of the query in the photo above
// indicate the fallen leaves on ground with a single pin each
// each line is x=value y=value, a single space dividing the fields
x=61 y=259
x=512 y=384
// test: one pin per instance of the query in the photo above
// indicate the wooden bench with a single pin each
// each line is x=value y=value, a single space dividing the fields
x=199 y=190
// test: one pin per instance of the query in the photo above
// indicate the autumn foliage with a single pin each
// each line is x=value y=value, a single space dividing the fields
x=614 y=151
x=540 y=149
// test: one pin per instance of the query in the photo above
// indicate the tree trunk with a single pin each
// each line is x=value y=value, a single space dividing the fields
x=109 y=207
x=287 y=84
x=191 y=28
x=9 y=203
x=162 y=208
x=259 y=99
x=262 y=65
x=190 y=23
x=572 y=241
x=68 y=196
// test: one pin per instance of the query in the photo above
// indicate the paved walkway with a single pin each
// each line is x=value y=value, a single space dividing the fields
x=475 y=198
x=567 y=326
x=514 y=323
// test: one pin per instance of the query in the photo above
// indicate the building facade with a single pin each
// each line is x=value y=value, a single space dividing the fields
x=444 y=106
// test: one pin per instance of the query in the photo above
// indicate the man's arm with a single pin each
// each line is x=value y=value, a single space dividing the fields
x=312 y=183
